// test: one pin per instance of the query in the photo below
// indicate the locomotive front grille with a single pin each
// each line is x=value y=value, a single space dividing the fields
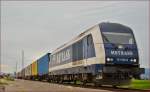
x=117 y=73
x=117 y=76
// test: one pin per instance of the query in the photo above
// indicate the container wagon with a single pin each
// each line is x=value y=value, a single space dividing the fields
x=18 y=75
x=34 y=70
x=43 y=66
x=23 y=73
x=28 y=72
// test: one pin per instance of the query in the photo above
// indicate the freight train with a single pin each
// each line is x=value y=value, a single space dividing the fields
x=105 y=54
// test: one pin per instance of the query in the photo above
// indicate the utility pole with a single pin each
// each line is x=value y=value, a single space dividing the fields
x=149 y=57
x=15 y=73
x=22 y=62
x=149 y=51
x=0 y=53
x=22 y=59
x=16 y=67
x=0 y=47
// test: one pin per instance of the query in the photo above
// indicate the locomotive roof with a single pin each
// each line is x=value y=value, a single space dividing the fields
x=104 y=25
x=111 y=27
x=77 y=37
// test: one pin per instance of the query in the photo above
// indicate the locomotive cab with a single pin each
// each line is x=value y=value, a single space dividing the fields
x=121 y=54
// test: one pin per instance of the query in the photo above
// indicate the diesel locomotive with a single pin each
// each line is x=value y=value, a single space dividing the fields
x=105 y=54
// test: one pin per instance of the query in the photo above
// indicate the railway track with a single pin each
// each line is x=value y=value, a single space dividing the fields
x=109 y=88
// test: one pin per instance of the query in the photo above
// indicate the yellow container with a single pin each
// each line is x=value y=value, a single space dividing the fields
x=34 y=68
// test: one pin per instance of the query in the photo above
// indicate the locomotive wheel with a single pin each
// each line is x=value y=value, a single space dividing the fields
x=61 y=81
x=75 y=82
x=114 y=86
x=97 y=84
x=84 y=83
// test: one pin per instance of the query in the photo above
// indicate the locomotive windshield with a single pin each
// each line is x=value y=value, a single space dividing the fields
x=116 y=33
x=118 y=38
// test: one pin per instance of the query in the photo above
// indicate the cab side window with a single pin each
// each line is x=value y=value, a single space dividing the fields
x=90 y=47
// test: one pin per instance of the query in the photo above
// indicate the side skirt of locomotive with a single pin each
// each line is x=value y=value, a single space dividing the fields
x=97 y=74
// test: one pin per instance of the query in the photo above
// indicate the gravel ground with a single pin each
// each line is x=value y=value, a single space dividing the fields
x=2 y=88
x=36 y=86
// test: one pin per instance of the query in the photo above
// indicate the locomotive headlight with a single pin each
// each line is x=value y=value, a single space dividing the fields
x=134 y=60
x=131 y=60
x=109 y=59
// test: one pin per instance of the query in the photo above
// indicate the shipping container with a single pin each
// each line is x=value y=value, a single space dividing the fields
x=23 y=73
x=34 y=68
x=18 y=75
x=28 y=71
x=43 y=64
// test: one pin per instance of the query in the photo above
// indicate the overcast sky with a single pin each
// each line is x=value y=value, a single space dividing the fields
x=40 y=27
